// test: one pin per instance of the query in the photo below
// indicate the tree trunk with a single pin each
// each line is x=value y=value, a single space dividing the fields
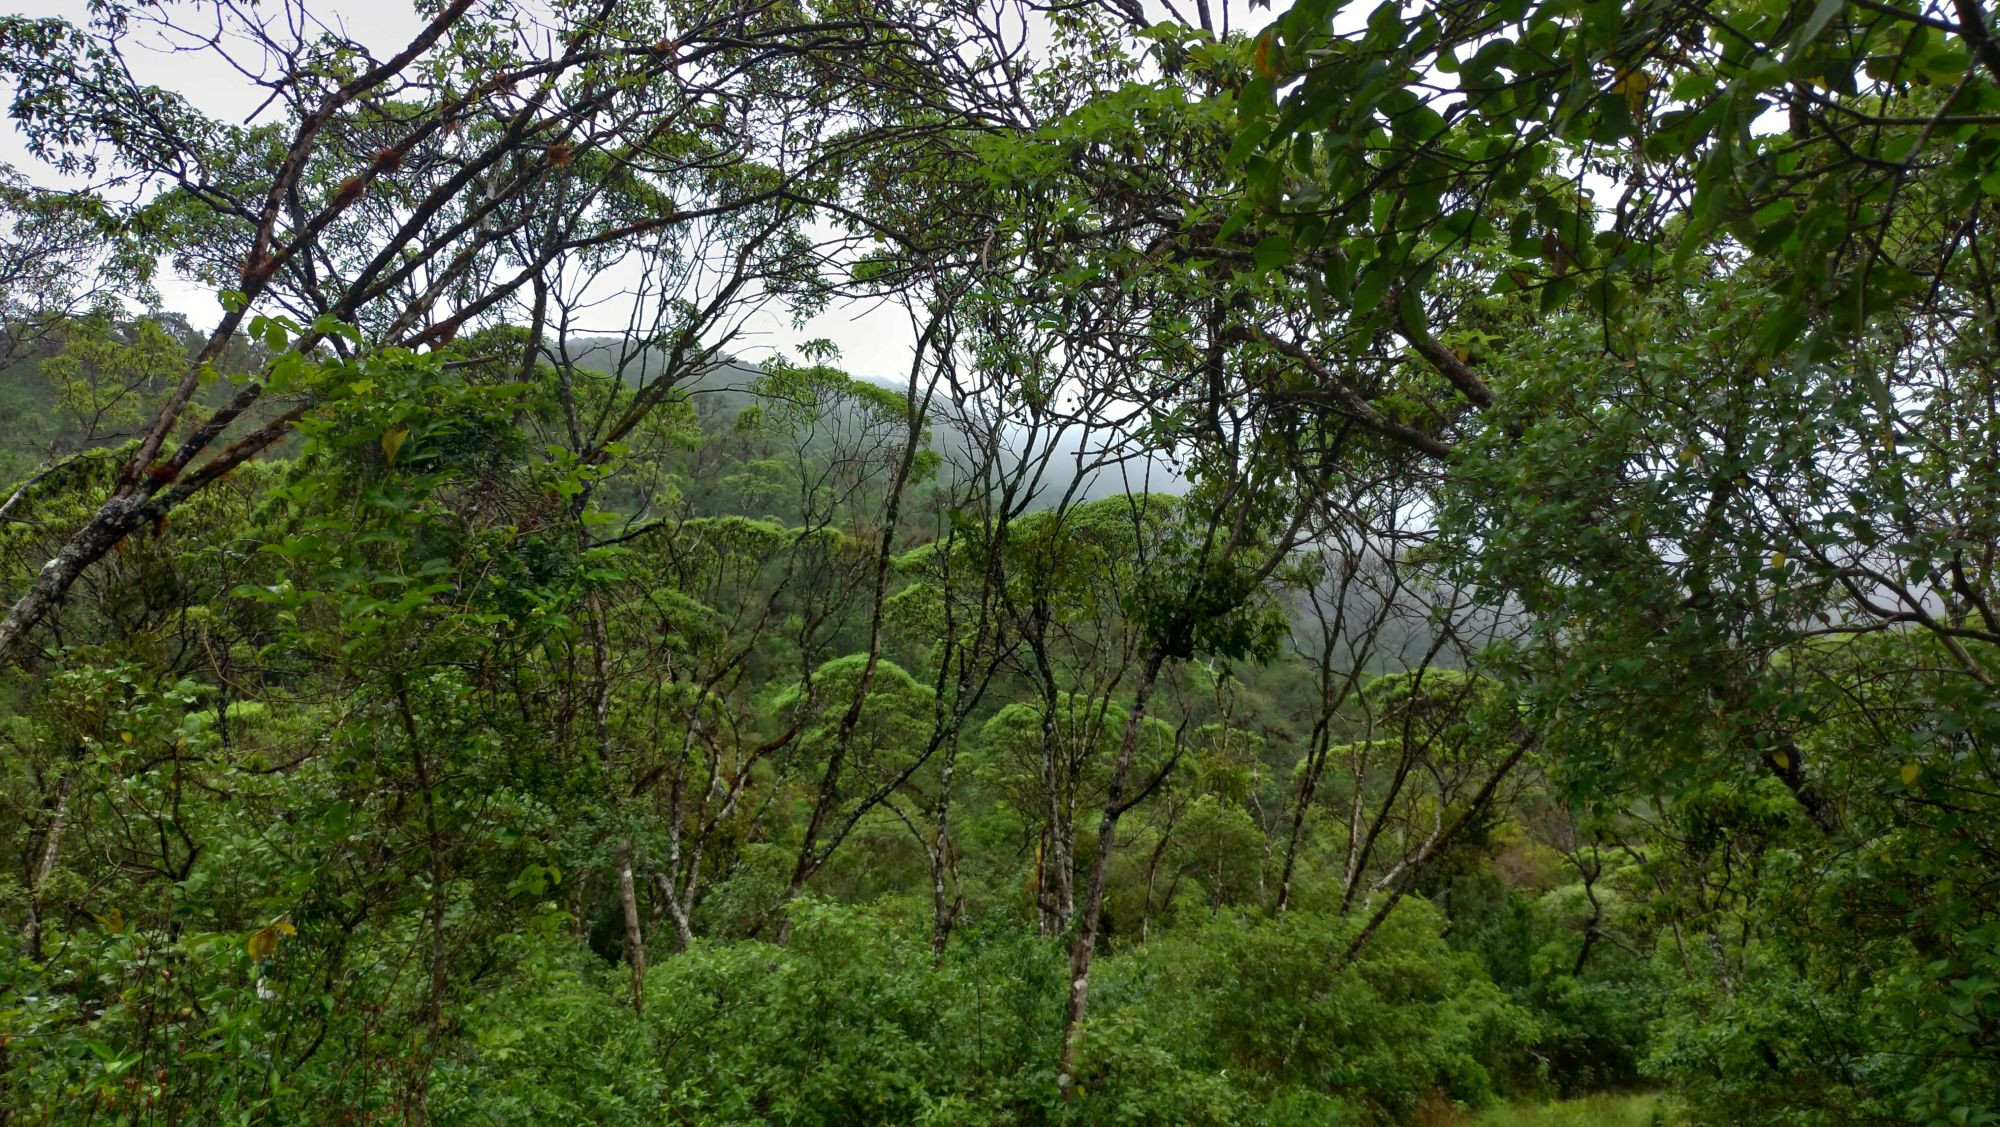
x=811 y=857
x=31 y=933
x=1315 y=765
x=1432 y=847
x=635 y=938
x=1057 y=898
x=1152 y=875
x=943 y=908
x=1100 y=870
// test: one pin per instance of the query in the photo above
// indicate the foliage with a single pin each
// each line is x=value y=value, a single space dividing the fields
x=1425 y=561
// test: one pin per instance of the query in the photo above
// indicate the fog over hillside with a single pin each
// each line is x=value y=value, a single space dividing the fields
x=1076 y=455
x=1382 y=625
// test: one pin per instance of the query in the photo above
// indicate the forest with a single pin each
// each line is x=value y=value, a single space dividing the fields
x=1424 y=562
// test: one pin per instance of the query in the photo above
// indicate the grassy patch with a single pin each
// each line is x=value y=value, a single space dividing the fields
x=1644 y=1110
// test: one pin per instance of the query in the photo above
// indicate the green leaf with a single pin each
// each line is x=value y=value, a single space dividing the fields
x=1556 y=292
x=1234 y=223
x=1368 y=292
x=1273 y=251
x=1410 y=310
x=1822 y=14
x=1781 y=329
x=1339 y=275
x=1247 y=140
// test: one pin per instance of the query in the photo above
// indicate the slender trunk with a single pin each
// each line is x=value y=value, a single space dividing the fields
x=943 y=909
x=680 y=905
x=1100 y=870
x=676 y=911
x=1590 y=930
x=1045 y=867
x=51 y=846
x=1431 y=848
x=1357 y=864
x=811 y=857
x=1058 y=885
x=1355 y=810
x=1036 y=885
x=808 y=863
x=1424 y=850
x=1264 y=824
x=635 y=938
x=1331 y=698
x=440 y=889
x=1315 y=765
x=440 y=892
x=1152 y=874
x=1062 y=864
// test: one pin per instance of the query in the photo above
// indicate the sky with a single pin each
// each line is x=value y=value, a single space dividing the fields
x=874 y=340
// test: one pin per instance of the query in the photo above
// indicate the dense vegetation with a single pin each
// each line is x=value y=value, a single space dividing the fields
x=1430 y=565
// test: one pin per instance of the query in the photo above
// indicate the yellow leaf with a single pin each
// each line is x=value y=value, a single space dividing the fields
x=1783 y=761
x=1777 y=560
x=125 y=736
x=1910 y=773
x=262 y=944
x=113 y=923
x=1633 y=83
x=1688 y=454
x=392 y=441
x=1464 y=354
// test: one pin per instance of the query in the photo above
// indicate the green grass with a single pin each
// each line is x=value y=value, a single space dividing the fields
x=1591 y=1111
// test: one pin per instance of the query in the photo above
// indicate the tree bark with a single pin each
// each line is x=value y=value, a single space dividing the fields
x=635 y=937
x=1057 y=898
x=944 y=911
